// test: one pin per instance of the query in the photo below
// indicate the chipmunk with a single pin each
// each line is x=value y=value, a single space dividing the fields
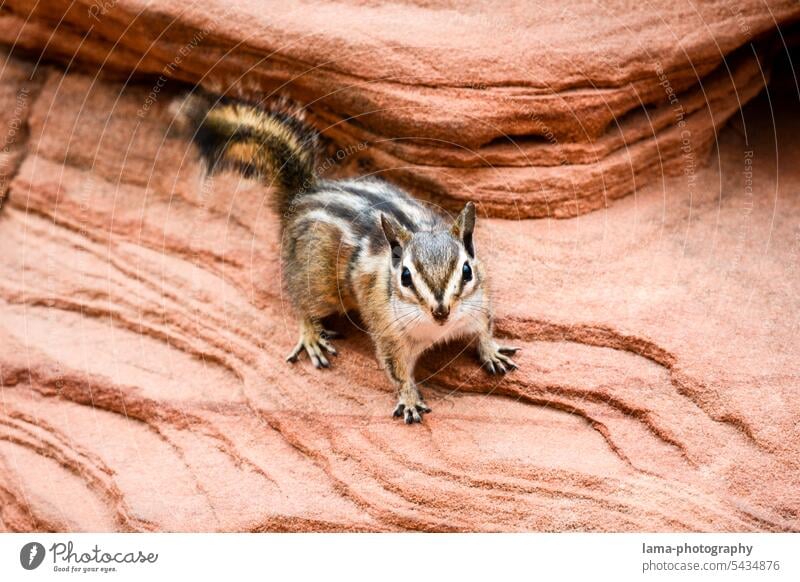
x=354 y=244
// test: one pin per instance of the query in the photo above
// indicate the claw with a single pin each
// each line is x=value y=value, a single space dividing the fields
x=511 y=364
x=508 y=350
x=496 y=360
x=508 y=362
x=412 y=416
x=411 y=410
x=328 y=347
x=295 y=353
x=322 y=359
x=315 y=343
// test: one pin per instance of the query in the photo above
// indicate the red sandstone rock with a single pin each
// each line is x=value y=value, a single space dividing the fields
x=552 y=110
x=144 y=330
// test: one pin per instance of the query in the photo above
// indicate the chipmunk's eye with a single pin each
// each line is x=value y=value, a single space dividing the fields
x=405 y=277
x=466 y=272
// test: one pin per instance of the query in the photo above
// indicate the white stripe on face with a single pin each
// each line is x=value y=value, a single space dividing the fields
x=455 y=280
x=419 y=284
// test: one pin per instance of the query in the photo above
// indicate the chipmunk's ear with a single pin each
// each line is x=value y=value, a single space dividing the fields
x=464 y=226
x=396 y=235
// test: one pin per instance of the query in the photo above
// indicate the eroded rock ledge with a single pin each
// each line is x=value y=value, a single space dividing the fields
x=551 y=111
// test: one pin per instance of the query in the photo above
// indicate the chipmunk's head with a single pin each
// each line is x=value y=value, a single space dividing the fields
x=435 y=270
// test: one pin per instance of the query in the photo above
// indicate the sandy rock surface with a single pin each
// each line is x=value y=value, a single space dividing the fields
x=550 y=109
x=144 y=329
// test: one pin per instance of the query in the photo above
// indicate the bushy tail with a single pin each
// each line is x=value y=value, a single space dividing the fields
x=270 y=143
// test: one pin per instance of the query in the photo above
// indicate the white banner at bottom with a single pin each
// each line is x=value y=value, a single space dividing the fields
x=354 y=557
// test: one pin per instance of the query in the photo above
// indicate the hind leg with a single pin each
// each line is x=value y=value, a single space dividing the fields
x=314 y=340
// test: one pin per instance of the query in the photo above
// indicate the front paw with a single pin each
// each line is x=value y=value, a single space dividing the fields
x=411 y=408
x=315 y=343
x=496 y=361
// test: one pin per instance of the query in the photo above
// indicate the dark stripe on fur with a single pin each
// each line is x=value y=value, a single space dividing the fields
x=283 y=155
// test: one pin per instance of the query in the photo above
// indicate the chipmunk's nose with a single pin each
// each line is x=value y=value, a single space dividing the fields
x=440 y=313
